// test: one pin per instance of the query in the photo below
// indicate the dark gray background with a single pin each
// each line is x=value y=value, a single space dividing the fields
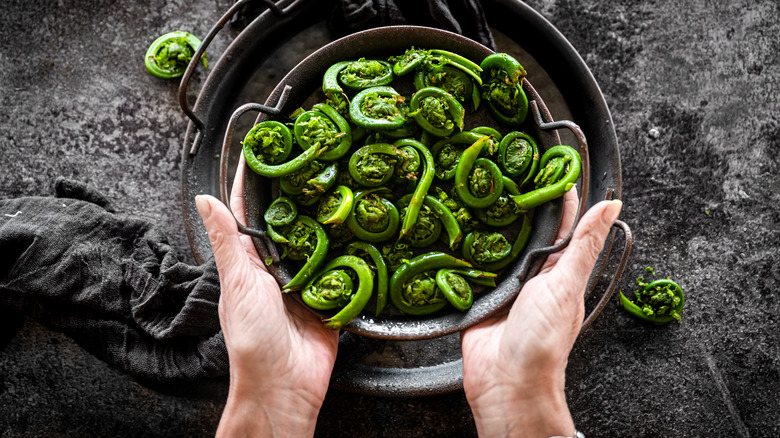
x=693 y=92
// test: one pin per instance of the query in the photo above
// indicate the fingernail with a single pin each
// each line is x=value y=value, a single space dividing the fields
x=612 y=211
x=203 y=205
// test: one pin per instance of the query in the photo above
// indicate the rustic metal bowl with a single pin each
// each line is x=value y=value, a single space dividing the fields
x=380 y=365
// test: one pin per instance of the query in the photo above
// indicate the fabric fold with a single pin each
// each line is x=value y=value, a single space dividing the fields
x=111 y=282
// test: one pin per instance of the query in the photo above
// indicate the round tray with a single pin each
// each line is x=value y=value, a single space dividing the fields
x=380 y=366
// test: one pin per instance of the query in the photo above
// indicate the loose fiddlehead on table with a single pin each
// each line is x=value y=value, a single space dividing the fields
x=170 y=54
x=659 y=301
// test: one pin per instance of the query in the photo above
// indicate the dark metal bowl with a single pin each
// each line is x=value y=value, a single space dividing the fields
x=303 y=84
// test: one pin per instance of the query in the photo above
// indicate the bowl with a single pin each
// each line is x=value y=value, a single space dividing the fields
x=301 y=87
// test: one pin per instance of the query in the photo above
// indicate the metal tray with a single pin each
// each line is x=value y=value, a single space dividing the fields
x=384 y=366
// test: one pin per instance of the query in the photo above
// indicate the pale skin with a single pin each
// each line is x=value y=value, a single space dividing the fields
x=513 y=365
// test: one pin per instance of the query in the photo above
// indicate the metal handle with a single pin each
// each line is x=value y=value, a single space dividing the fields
x=629 y=242
x=266 y=248
x=185 y=106
x=585 y=186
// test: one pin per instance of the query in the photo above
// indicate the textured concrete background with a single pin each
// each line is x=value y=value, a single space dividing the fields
x=694 y=93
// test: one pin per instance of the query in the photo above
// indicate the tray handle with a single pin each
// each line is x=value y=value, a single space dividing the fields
x=185 y=80
x=266 y=249
x=610 y=290
x=584 y=187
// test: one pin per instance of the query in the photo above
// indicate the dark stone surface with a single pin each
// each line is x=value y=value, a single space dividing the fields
x=693 y=92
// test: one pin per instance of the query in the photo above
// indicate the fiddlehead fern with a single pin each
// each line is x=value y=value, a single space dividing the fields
x=478 y=181
x=457 y=290
x=169 y=55
x=560 y=167
x=306 y=240
x=502 y=88
x=335 y=206
x=659 y=302
x=436 y=111
x=378 y=108
x=504 y=211
x=413 y=288
x=282 y=211
x=268 y=144
x=331 y=290
x=372 y=256
x=518 y=156
x=323 y=125
x=374 y=218
x=373 y=165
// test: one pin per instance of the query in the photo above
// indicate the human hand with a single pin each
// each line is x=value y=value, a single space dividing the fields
x=514 y=364
x=281 y=357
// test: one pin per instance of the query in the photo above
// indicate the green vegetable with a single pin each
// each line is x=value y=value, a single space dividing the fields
x=336 y=206
x=269 y=143
x=366 y=250
x=374 y=218
x=478 y=181
x=323 y=125
x=436 y=111
x=518 y=155
x=377 y=108
x=306 y=241
x=659 y=302
x=503 y=211
x=560 y=168
x=413 y=288
x=503 y=90
x=282 y=211
x=457 y=290
x=332 y=290
x=170 y=54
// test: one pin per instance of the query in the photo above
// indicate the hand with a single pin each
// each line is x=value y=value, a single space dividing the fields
x=514 y=365
x=280 y=355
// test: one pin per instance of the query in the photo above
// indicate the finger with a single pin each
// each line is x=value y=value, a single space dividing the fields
x=229 y=252
x=588 y=240
x=570 y=203
x=237 y=193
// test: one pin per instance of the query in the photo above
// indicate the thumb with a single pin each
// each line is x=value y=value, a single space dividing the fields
x=588 y=239
x=229 y=252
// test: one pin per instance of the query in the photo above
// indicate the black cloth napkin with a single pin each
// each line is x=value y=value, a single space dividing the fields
x=464 y=17
x=113 y=283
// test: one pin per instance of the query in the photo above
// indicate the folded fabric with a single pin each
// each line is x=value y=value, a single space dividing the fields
x=112 y=283
x=464 y=17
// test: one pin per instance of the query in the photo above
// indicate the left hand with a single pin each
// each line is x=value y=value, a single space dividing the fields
x=281 y=357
